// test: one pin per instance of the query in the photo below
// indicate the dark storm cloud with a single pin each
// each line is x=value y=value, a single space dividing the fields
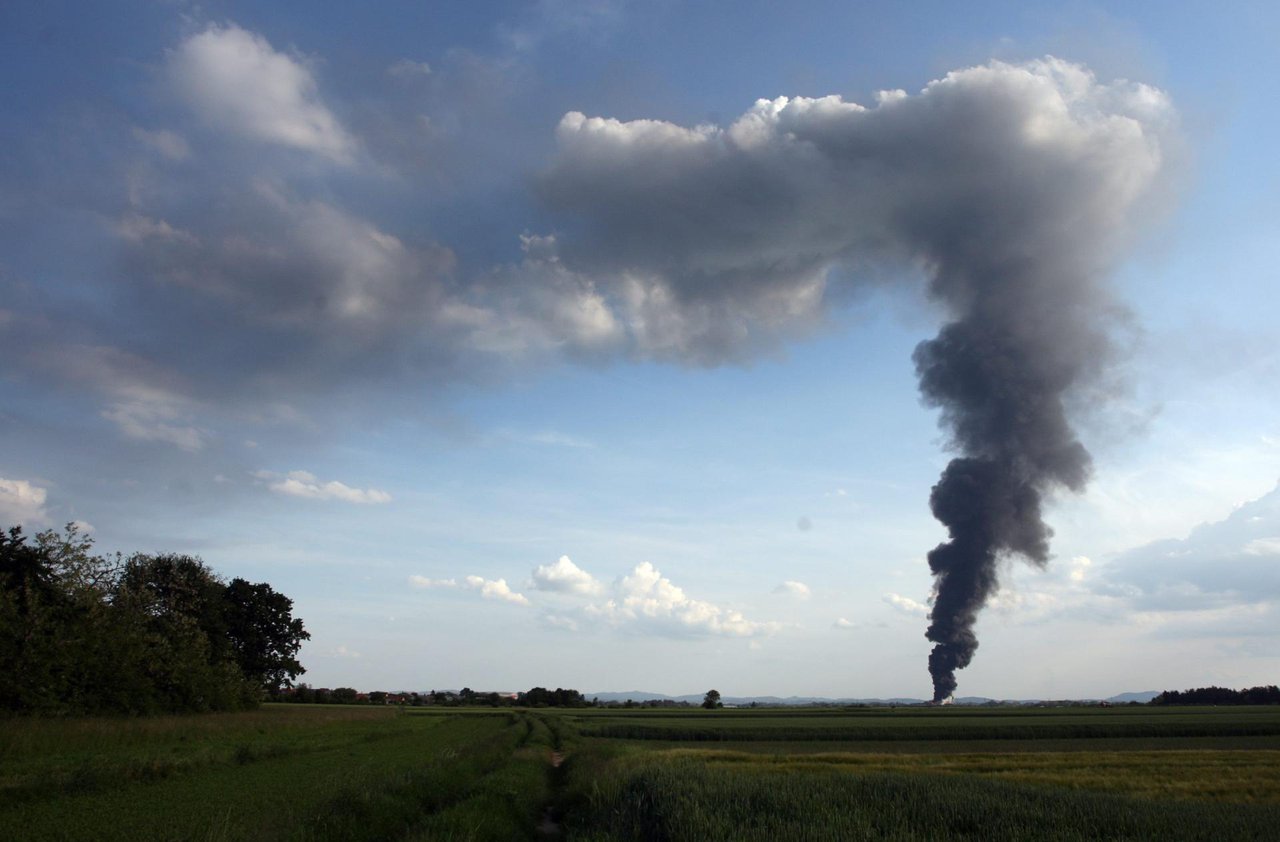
x=1012 y=187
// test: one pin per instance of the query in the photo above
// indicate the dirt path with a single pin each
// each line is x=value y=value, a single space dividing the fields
x=550 y=827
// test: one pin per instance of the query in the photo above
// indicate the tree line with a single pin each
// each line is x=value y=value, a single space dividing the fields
x=82 y=633
x=1268 y=695
x=535 y=697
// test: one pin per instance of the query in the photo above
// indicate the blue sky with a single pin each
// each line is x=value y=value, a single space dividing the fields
x=345 y=302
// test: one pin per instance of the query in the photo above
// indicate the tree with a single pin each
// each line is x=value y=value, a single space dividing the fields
x=80 y=572
x=712 y=700
x=264 y=634
x=32 y=609
x=83 y=633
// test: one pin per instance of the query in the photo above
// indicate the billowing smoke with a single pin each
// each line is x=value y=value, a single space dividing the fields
x=1013 y=187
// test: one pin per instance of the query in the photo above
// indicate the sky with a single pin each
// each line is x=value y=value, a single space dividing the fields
x=570 y=343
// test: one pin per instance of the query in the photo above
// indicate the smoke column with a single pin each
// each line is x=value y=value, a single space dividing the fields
x=1013 y=189
x=1000 y=385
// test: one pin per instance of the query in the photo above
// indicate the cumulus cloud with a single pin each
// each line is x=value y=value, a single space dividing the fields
x=647 y=600
x=906 y=605
x=495 y=589
x=1235 y=561
x=22 y=503
x=299 y=265
x=565 y=577
x=424 y=582
x=799 y=590
x=305 y=484
x=709 y=242
x=235 y=80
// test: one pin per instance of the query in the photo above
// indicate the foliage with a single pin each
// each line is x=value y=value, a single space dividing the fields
x=1269 y=695
x=712 y=700
x=558 y=698
x=264 y=634
x=83 y=633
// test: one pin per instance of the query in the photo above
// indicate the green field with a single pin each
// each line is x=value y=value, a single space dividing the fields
x=332 y=772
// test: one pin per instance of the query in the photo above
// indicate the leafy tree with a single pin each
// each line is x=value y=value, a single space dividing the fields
x=84 y=633
x=264 y=635
x=78 y=570
x=31 y=607
x=712 y=700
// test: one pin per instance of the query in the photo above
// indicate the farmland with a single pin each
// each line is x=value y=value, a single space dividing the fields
x=332 y=772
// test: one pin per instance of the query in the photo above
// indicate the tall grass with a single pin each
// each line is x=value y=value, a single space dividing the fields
x=299 y=774
x=649 y=796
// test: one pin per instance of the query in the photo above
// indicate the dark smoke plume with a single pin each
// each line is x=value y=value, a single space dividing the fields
x=1013 y=187
x=1003 y=402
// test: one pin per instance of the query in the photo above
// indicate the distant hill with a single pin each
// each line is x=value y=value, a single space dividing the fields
x=1142 y=696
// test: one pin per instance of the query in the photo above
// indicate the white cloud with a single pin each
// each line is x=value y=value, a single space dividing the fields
x=1080 y=568
x=144 y=400
x=344 y=652
x=1262 y=546
x=154 y=421
x=137 y=228
x=842 y=623
x=558 y=622
x=792 y=588
x=21 y=503
x=303 y=265
x=305 y=484
x=495 y=589
x=416 y=581
x=235 y=80
x=169 y=144
x=1231 y=562
x=906 y=605
x=647 y=600
x=565 y=577
x=409 y=69
x=543 y=19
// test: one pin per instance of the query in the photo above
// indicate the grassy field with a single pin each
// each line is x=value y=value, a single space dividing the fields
x=286 y=772
x=330 y=772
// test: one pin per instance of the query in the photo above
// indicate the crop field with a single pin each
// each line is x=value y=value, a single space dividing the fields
x=331 y=772
x=285 y=772
x=928 y=773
